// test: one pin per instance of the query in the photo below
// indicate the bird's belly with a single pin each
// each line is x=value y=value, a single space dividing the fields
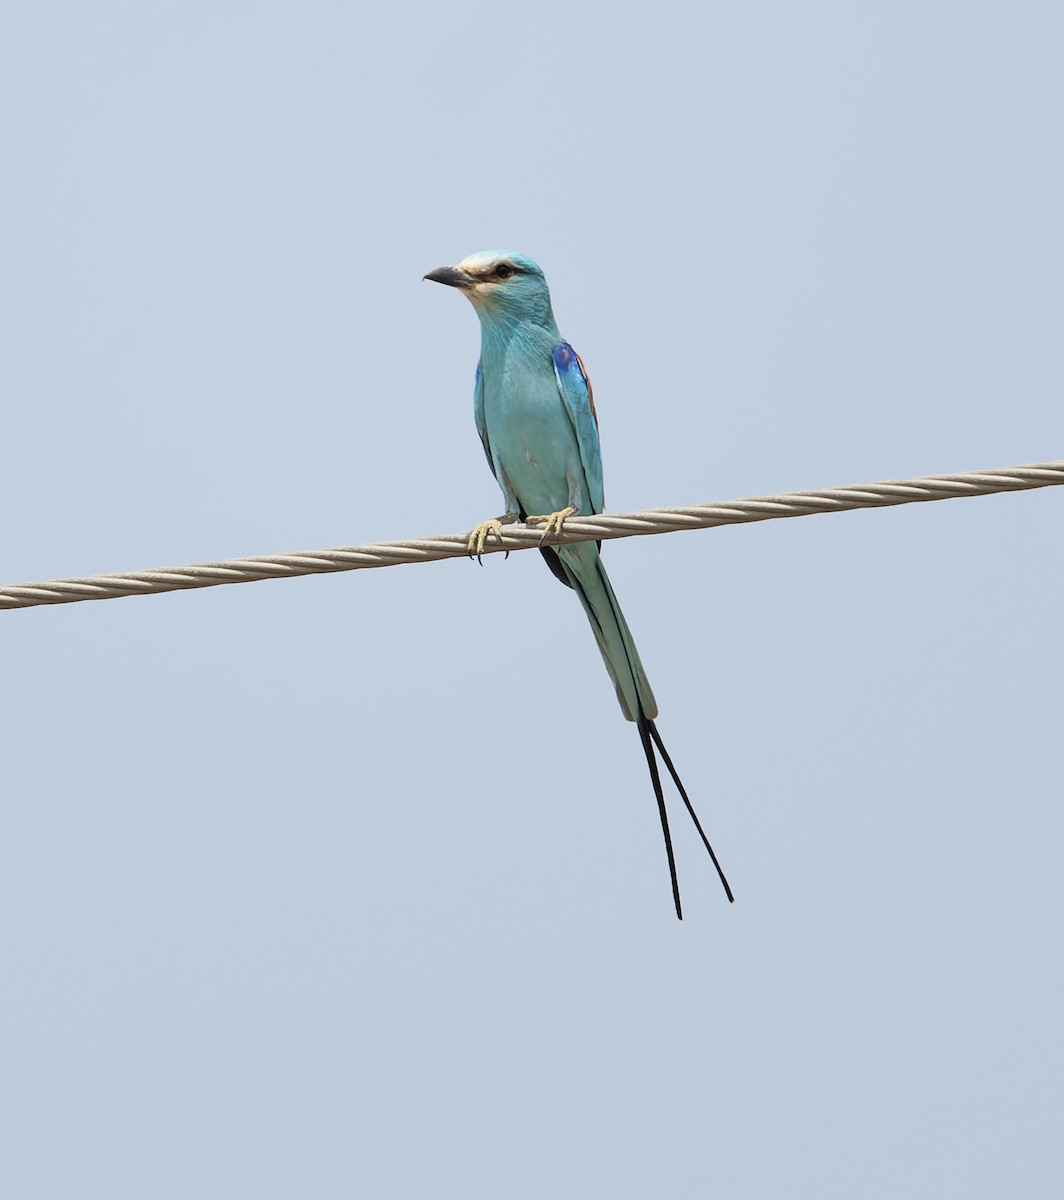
x=533 y=442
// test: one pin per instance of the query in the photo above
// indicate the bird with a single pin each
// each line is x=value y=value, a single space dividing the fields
x=535 y=413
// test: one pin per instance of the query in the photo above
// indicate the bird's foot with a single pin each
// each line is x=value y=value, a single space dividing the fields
x=478 y=539
x=554 y=521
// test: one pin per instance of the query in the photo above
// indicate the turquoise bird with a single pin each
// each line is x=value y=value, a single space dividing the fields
x=536 y=418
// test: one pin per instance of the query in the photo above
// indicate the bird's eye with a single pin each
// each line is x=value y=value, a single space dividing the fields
x=502 y=271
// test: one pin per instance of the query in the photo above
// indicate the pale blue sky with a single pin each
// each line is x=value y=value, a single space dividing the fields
x=353 y=885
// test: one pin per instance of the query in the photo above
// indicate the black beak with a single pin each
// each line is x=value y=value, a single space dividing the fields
x=452 y=277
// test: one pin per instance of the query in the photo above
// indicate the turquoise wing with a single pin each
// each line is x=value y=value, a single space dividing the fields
x=478 y=416
x=575 y=390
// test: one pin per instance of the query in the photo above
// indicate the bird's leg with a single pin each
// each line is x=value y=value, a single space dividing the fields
x=554 y=521
x=478 y=539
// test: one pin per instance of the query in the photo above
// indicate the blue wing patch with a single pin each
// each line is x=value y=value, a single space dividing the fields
x=575 y=390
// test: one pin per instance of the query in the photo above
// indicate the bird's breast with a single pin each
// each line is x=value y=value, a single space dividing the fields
x=531 y=435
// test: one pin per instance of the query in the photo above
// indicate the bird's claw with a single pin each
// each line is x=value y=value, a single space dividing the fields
x=478 y=539
x=554 y=521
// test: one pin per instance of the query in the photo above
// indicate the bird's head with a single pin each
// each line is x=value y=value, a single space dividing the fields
x=501 y=285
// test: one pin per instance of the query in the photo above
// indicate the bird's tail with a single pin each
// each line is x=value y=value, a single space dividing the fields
x=585 y=574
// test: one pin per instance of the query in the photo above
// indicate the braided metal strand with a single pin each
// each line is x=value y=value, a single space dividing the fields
x=521 y=537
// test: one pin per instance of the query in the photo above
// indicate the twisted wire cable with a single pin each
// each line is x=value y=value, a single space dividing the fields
x=522 y=537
